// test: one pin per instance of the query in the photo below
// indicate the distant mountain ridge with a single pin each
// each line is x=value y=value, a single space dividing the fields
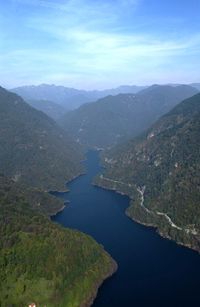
x=160 y=171
x=196 y=85
x=69 y=98
x=114 y=119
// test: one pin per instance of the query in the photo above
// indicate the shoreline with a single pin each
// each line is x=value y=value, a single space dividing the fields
x=51 y=192
x=90 y=301
x=148 y=225
x=114 y=267
x=161 y=234
x=58 y=211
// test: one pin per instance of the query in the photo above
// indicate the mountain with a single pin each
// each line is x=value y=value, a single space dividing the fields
x=114 y=119
x=123 y=89
x=34 y=150
x=42 y=262
x=160 y=172
x=69 y=98
x=196 y=85
x=50 y=108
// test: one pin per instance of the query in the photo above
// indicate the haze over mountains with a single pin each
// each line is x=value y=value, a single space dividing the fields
x=50 y=108
x=160 y=172
x=196 y=85
x=69 y=98
x=114 y=119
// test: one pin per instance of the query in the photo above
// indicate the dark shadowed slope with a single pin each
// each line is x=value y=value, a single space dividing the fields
x=34 y=150
x=161 y=172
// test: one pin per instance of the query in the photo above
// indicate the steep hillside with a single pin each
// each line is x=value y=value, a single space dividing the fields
x=34 y=150
x=160 y=171
x=42 y=262
x=116 y=118
x=50 y=108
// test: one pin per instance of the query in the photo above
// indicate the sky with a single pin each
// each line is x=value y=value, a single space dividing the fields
x=98 y=44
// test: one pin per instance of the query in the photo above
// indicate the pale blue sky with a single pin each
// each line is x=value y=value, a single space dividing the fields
x=99 y=44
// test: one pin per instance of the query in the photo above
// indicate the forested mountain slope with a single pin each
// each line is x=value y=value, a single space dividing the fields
x=160 y=171
x=34 y=149
x=42 y=262
x=115 y=119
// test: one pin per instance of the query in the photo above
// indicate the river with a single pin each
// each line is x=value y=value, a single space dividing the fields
x=152 y=271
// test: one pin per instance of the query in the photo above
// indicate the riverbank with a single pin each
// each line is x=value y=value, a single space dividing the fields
x=151 y=271
x=89 y=302
x=106 y=272
x=136 y=211
x=60 y=206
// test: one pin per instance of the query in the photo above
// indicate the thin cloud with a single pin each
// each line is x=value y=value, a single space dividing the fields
x=78 y=39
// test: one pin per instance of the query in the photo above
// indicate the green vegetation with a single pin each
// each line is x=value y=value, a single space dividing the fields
x=34 y=150
x=115 y=119
x=42 y=262
x=164 y=165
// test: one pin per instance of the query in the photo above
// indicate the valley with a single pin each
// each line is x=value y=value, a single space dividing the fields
x=152 y=271
x=99 y=153
x=151 y=164
x=115 y=119
x=41 y=262
x=160 y=173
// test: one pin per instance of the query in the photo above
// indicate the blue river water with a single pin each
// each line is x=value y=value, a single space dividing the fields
x=152 y=271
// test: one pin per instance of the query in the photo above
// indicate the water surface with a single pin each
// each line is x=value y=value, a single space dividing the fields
x=152 y=271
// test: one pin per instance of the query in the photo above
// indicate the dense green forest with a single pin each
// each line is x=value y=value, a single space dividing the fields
x=160 y=172
x=42 y=262
x=34 y=150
